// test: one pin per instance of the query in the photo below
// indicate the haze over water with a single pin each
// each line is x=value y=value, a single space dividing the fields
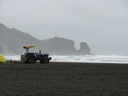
x=103 y=24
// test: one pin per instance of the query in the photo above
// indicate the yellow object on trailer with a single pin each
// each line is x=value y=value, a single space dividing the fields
x=2 y=59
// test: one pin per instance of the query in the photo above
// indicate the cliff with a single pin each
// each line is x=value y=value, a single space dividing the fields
x=59 y=45
x=12 y=41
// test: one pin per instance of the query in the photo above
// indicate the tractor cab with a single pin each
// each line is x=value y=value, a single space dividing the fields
x=33 y=57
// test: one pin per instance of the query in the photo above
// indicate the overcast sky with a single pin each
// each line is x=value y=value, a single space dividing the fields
x=102 y=24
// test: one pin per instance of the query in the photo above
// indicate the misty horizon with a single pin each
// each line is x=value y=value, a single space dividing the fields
x=103 y=25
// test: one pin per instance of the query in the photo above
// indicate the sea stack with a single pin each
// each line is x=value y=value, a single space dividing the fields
x=84 y=48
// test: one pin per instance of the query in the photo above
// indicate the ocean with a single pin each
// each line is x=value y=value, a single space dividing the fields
x=82 y=58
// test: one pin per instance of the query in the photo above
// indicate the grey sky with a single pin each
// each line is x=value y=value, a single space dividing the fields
x=103 y=24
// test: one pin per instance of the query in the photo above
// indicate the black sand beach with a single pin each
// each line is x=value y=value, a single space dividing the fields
x=64 y=79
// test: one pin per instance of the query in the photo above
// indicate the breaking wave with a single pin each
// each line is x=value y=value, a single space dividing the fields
x=83 y=58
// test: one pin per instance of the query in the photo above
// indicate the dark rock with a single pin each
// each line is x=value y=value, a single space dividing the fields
x=84 y=48
x=59 y=45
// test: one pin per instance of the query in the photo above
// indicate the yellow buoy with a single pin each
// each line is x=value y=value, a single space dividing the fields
x=2 y=59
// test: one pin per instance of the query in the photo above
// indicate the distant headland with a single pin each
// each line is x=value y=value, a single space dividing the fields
x=12 y=41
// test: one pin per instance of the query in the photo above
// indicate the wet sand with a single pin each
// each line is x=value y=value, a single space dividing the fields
x=64 y=79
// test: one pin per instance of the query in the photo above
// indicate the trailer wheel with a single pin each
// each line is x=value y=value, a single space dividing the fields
x=31 y=59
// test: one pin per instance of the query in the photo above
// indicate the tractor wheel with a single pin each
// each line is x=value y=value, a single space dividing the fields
x=44 y=61
x=31 y=59
x=41 y=61
x=26 y=61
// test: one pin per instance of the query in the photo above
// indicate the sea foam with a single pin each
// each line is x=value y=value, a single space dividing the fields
x=82 y=58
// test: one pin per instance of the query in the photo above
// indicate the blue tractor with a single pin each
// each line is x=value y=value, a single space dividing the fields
x=31 y=57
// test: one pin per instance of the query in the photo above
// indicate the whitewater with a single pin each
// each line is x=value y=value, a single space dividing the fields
x=82 y=58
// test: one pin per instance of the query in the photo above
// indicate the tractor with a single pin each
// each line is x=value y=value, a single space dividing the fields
x=31 y=57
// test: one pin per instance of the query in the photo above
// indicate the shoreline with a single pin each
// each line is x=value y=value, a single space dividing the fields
x=53 y=62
